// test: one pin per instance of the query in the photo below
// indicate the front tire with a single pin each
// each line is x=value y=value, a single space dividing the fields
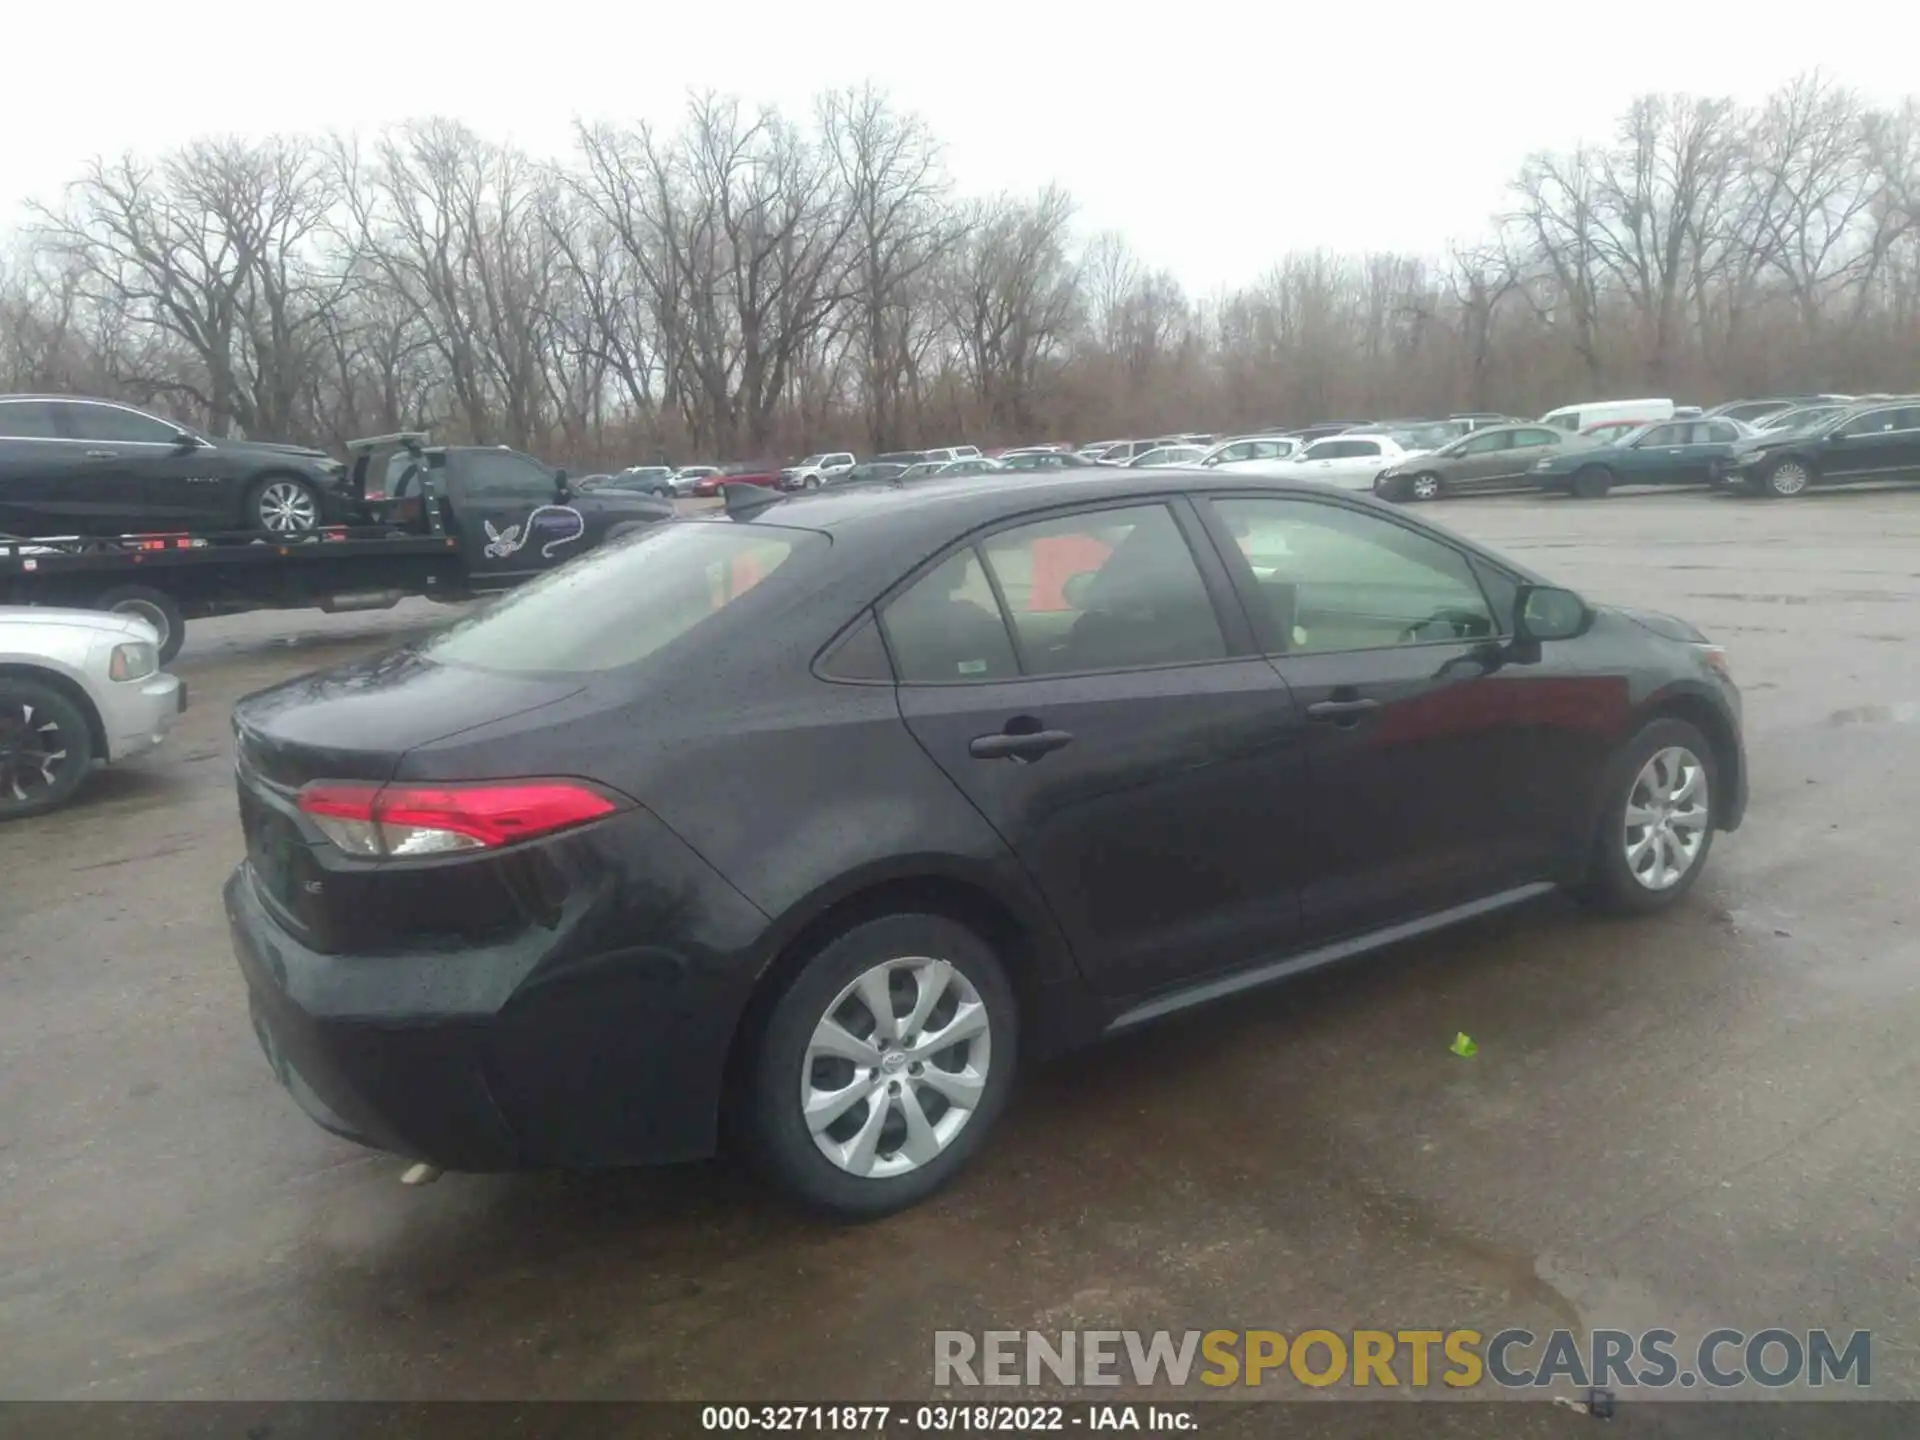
x=283 y=507
x=1786 y=478
x=1657 y=827
x=46 y=748
x=883 y=1066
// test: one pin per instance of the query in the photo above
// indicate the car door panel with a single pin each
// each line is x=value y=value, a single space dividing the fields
x=37 y=493
x=510 y=517
x=140 y=478
x=1482 y=465
x=1873 y=446
x=1165 y=834
x=1145 y=775
x=1436 y=771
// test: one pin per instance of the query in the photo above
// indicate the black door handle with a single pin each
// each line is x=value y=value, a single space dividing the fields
x=1345 y=710
x=1030 y=746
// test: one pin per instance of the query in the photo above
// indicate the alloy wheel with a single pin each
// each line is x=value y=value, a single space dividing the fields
x=33 y=751
x=1667 y=815
x=287 y=508
x=896 y=1067
x=1789 y=477
x=1426 y=487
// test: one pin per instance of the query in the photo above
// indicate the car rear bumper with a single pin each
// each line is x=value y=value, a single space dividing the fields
x=611 y=1060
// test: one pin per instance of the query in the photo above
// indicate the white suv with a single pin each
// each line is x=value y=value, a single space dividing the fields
x=817 y=470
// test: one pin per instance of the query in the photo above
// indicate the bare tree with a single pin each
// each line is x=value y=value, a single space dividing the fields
x=214 y=250
x=887 y=167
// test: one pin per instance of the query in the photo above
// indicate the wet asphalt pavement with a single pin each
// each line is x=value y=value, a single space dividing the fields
x=1698 y=1120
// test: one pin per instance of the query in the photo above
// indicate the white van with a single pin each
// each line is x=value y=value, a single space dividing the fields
x=1592 y=412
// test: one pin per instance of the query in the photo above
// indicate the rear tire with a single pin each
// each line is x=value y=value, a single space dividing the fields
x=1643 y=833
x=916 y=1119
x=1592 y=482
x=156 y=607
x=46 y=748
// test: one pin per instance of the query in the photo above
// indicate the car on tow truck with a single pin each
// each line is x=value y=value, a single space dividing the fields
x=71 y=465
x=77 y=688
x=446 y=522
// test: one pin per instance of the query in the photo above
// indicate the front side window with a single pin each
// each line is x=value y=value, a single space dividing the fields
x=1330 y=578
x=622 y=602
x=1488 y=443
x=1527 y=438
x=1664 y=435
x=1874 y=422
x=111 y=424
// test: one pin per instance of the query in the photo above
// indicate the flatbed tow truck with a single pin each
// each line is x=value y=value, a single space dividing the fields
x=446 y=522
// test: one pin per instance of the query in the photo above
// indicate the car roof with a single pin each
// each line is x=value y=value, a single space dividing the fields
x=954 y=505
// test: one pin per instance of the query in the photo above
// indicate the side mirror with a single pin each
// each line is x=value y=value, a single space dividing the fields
x=1546 y=612
x=185 y=441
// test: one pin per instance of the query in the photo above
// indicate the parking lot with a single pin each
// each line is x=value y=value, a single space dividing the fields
x=1691 y=1121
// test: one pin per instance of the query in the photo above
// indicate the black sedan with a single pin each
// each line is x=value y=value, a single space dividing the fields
x=72 y=466
x=695 y=836
x=1879 y=441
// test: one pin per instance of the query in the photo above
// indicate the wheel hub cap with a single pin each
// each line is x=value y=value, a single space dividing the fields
x=896 y=1067
x=31 y=752
x=1667 y=815
x=287 y=508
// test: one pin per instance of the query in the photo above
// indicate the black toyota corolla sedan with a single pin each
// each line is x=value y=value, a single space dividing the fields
x=805 y=823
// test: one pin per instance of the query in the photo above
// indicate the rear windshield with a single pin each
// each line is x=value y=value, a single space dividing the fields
x=624 y=601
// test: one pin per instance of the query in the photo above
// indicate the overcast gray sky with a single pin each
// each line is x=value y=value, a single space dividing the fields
x=1216 y=136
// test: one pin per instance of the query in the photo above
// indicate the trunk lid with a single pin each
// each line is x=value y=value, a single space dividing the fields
x=356 y=722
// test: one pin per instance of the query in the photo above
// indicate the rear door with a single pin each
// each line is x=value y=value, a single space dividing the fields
x=510 y=518
x=38 y=465
x=1086 y=680
x=1435 y=774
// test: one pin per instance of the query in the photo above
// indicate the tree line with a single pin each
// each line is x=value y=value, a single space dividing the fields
x=748 y=285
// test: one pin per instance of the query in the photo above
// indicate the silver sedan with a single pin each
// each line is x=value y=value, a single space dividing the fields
x=76 y=687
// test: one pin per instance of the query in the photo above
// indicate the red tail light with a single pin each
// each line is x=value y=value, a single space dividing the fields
x=402 y=819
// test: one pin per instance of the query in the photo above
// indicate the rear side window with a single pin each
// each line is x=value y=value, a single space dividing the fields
x=109 y=423
x=1110 y=590
x=947 y=626
x=27 y=420
x=619 y=604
